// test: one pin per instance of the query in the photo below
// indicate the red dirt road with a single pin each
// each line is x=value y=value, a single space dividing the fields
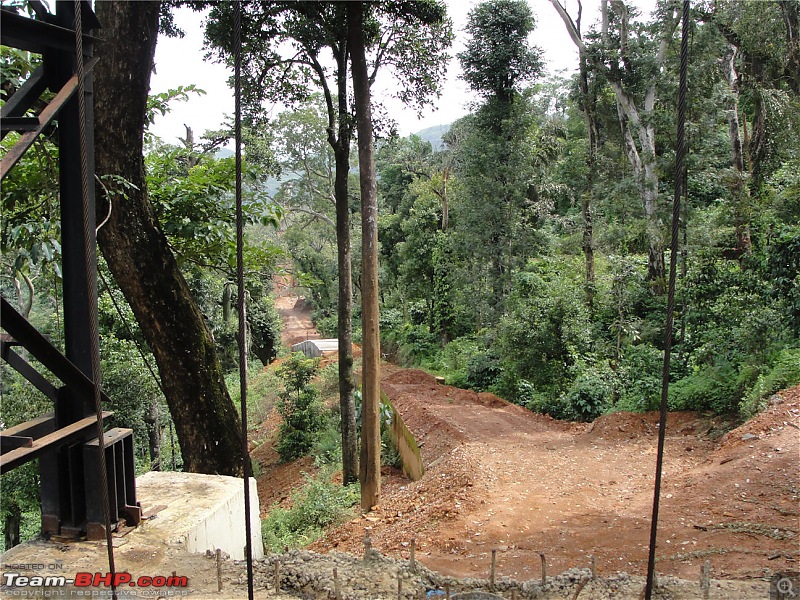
x=501 y=477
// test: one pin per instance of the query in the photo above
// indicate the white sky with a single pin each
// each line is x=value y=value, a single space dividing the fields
x=181 y=62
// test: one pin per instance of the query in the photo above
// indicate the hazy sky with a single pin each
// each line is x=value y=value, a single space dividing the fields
x=181 y=62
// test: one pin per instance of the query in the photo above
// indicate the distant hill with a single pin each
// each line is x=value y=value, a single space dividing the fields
x=434 y=135
x=223 y=153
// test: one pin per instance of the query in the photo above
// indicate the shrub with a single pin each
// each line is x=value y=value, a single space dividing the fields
x=389 y=453
x=483 y=370
x=453 y=360
x=589 y=395
x=785 y=372
x=299 y=406
x=319 y=504
x=327 y=448
x=545 y=331
x=638 y=378
x=715 y=388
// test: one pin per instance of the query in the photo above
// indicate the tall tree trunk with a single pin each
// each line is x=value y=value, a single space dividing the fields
x=153 y=422
x=371 y=426
x=340 y=132
x=347 y=402
x=791 y=18
x=137 y=253
x=588 y=102
x=639 y=120
x=740 y=192
x=587 y=244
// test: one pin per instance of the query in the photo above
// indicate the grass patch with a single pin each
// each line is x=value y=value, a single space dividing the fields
x=319 y=504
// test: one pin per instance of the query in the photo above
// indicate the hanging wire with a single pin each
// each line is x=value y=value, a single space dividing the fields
x=89 y=240
x=673 y=260
x=242 y=337
x=129 y=331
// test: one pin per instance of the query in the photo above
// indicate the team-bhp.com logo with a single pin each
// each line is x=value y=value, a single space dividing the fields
x=95 y=580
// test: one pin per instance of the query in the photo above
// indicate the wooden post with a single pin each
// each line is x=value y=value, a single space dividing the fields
x=277 y=577
x=367 y=546
x=413 y=561
x=219 y=570
x=399 y=586
x=494 y=563
x=446 y=591
x=337 y=592
x=594 y=566
x=544 y=568
x=705 y=579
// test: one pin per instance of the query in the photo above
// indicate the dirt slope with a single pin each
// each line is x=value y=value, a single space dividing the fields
x=500 y=477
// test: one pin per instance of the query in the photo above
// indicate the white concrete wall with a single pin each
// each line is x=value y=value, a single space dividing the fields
x=201 y=512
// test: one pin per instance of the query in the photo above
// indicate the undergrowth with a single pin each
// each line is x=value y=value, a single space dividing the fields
x=319 y=504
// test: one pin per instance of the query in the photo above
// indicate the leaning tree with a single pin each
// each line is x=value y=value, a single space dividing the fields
x=137 y=252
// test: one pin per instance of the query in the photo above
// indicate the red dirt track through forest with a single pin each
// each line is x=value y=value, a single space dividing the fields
x=501 y=477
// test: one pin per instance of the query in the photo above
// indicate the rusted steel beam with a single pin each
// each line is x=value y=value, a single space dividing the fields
x=39 y=36
x=26 y=95
x=47 y=354
x=12 y=442
x=24 y=368
x=48 y=114
x=60 y=437
x=34 y=428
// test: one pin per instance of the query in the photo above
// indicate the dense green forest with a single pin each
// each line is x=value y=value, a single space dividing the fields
x=521 y=256
x=522 y=247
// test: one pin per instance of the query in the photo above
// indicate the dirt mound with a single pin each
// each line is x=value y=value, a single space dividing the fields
x=783 y=412
x=408 y=377
x=627 y=426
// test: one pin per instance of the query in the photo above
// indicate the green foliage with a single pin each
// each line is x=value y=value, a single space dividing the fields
x=299 y=406
x=546 y=332
x=390 y=456
x=265 y=327
x=498 y=58
x=130 y=387
x=484 y=370
x=408 y=344
x=783 y=269
x=454 y=360
x=783 y=373
x=192 y=196
x=319 y=504
x=159 y=104
x=589 y=395
x=327 y=448
x=637 y=378
x=716 y=388
x=20 y=497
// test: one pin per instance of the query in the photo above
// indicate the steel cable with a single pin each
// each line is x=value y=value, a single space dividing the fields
x=242 y=308
x=673 y=259
x=89 y=240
